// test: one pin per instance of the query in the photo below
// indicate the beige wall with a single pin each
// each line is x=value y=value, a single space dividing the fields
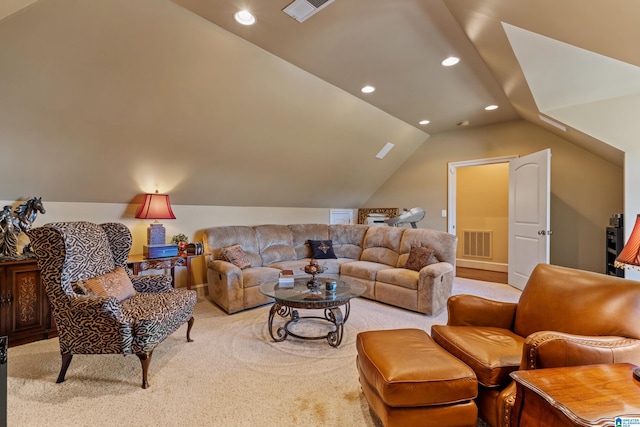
x=190 y=220
x=585 y=189
x=109 y=99
x=482 y=204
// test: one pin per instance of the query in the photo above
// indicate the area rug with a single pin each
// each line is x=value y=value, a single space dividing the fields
x=233 y=374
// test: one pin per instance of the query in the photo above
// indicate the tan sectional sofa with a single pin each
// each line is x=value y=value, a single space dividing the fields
x=375 y=256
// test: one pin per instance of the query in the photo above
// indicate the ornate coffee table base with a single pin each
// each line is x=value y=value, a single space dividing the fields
x=333 y=315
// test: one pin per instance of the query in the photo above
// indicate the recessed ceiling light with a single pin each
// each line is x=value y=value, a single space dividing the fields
x=368 y=89
x=424 y=122
x=491 y=107
x=463 y=123
x=245 y=17
x=452 y=60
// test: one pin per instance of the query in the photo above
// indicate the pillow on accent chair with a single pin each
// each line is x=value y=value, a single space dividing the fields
x=419 y=257
x=236 y=256
x=115 y=283
x=322 y=249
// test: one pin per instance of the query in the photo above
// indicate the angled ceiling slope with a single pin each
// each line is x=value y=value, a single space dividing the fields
x=7 y=7
x=580 y=88
x=570 y=60
x=396 y=46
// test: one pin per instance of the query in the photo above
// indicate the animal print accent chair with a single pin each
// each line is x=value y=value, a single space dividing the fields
x=70 y=252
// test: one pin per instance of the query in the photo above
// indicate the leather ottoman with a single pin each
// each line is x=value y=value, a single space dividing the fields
x=409 y=380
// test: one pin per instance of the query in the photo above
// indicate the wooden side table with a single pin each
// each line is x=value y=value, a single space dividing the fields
x=139 y=263
x=590 y=395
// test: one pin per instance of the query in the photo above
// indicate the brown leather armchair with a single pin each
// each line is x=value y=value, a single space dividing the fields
x=565 y=317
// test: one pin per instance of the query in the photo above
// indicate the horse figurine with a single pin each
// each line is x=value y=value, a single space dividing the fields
x=12 y=224
x=26 y=213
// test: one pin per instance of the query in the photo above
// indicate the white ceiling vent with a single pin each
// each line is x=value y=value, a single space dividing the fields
x=301 y=10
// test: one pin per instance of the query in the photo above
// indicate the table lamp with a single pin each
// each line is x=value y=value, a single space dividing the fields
x=156 y=206
x=630 y=257
x=630 y=254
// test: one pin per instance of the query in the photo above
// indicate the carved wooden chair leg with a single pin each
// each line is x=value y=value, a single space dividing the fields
x=66 y=360
x=189 y=325
x=145 y=361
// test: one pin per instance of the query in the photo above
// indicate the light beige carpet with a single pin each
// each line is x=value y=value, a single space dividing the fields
x=233 y=374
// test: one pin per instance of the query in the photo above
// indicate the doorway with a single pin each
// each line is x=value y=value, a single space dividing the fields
x=529 y=216
x=478 y=215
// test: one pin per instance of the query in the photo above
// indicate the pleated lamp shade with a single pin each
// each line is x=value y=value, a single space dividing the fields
x=630 y=255
x=156 y=206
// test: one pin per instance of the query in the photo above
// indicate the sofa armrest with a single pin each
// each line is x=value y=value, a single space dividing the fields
x=225 y=285
x=95 y=319
x=470 y=310
x=95 y=306
x=152 y=283
x=435 y=270
x=225 y=268
x=549 y=349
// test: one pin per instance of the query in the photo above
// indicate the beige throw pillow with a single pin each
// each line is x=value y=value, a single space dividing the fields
x=420 y=257
x=115 y=283
x=236 y=256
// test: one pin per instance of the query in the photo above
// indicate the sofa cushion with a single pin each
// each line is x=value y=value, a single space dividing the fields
x=302 y=233
x=402 y=277
x=347 y=239
x=154 y=316
x=322 y=249
x=216 y=238
x=275 y=243
x=444 y=244
x=420 y=257
x=236 y=256
x=382 y=244
x=492 y=353
x=362 y=269
x=252 y=277
x=115 y=283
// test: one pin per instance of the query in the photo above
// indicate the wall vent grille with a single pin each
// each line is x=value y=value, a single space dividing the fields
x=477 y=243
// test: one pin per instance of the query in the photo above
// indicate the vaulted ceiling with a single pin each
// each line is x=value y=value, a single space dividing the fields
x=180 y=97
x=398 y=46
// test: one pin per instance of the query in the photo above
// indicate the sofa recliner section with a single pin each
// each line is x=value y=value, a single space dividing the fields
x=372 y=255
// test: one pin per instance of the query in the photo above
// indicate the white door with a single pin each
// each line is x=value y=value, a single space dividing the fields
x=341 y=216
x=529 y=229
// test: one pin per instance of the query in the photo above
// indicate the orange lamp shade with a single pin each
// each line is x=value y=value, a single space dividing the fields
x=156 y=206
x=630 y=255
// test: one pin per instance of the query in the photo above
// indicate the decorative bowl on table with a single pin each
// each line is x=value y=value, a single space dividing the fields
x=313 y=268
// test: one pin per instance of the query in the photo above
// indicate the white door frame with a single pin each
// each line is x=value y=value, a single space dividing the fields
x=452 y=168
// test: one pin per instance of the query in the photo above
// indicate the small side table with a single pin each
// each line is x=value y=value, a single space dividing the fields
x=586 y=396
x=140 y=263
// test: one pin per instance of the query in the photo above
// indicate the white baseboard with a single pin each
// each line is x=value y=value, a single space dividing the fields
x=483 y=265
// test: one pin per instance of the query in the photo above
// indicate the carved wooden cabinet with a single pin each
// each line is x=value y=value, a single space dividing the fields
x=25 y=312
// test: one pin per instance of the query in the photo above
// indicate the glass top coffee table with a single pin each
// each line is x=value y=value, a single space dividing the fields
x=290 y=298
